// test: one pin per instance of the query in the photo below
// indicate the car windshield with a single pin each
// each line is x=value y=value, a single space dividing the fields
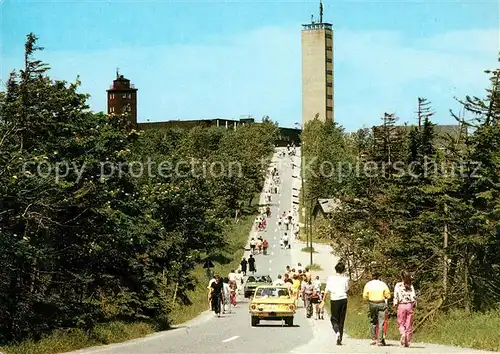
x=271 y=293
x=258 y=279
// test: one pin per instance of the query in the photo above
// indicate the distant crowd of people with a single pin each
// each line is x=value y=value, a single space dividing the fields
x=303 y=286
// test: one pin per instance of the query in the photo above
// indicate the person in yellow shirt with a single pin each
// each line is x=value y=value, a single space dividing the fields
x=295 y=288
x=376 y=292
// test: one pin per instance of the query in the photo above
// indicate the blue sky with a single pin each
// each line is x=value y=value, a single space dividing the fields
x=200 y=59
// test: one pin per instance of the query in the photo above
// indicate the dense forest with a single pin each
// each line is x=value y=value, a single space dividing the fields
x=411 y=197
x=100 y=222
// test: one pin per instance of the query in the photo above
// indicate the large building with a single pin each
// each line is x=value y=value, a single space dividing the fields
x=286 y=135
x=317 y=70
x=122 y=98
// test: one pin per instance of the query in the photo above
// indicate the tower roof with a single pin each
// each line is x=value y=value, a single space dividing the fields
x=121 y=83
x=316 y=26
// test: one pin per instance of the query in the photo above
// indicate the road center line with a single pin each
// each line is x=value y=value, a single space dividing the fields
x=230 y=339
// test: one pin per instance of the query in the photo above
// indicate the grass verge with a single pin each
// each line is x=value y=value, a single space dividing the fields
x=446 y=328
x=314 y=266
x=315 y=238
x=481 y=330
x=308 y=249
x=73 y=339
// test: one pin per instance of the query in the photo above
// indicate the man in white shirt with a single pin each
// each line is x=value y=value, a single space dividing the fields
x=285 y=240
x=336 y=289
x=253 y=243
x=279 y=281
x=227 y=291
x=300 y=267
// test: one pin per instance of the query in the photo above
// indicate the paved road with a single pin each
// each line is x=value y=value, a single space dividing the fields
x=232 y=333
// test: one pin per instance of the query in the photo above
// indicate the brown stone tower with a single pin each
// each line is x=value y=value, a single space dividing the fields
x=122 y=98
x=317 y=70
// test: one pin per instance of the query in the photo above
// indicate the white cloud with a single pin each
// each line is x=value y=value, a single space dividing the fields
x=259 y=73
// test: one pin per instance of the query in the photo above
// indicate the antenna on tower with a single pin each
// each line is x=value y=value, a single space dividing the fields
x=320 y=12
x=117 y=73
x=312 y=19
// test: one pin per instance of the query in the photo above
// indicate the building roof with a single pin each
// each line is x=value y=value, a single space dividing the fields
x=329 y=205
x=317 y=26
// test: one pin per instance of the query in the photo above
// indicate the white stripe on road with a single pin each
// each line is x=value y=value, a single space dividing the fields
x=230 y=339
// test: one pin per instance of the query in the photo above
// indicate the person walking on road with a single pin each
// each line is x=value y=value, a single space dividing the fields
x=295 y=289
x=317 y=283
x=316 y=301
x=336 y=290
x=209 y=295
x=243 y=265
x=307 y=293
x=227 y=294
x=279 y=281
x=405 y=299
x=288 y=281
x=251 y=264
x=286 y=243
x=253 y=243
x=377 y=292
x=232 y=297
x=265 y=246
x=232 y=277
x=217 y=295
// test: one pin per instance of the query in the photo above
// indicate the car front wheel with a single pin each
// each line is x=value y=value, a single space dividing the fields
x=289 y=321
x=255 y=321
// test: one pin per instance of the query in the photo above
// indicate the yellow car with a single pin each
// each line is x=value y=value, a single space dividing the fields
x=272 y=303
